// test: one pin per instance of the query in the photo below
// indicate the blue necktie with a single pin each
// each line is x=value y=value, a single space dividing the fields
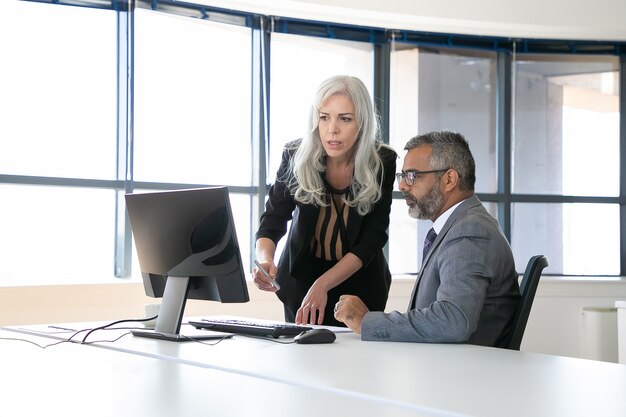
x=430 y=238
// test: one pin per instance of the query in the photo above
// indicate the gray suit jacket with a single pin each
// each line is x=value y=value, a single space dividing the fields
x=466 y=292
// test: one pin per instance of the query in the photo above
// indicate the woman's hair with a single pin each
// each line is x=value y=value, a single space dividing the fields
x=450 y=150
x=309 y=162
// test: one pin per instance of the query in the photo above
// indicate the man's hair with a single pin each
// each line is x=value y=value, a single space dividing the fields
x=449 y=150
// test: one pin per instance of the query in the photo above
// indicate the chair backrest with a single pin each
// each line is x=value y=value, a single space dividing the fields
x=528 y=288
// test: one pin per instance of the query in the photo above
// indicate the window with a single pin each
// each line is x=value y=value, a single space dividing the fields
x=442 y=90
x=56 y=235
x=298 y=65
x=566 y=143
x=195 y=121
x=566 y=138
x=577 y=238
x=58 y=120
x=58 y=91
x=192 y=101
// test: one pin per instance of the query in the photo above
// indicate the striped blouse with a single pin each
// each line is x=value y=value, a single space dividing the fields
x=329 y=241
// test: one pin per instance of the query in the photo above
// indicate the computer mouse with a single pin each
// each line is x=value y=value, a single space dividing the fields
x=315 y=336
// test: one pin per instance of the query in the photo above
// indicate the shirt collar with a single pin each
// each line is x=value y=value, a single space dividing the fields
x=441 y=220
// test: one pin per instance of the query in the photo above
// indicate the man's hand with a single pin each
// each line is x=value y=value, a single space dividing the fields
x=350 y=311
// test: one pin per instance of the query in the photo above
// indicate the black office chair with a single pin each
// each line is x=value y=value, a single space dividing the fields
x=528 y=288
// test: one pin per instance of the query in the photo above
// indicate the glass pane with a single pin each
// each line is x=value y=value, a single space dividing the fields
x=298 y=65
x=566 y=137
x=578 y=239
x=492 y=208
x=56 y=235
x=446 y=90
x=406 y=235
x=58 y=91
x=192 y=100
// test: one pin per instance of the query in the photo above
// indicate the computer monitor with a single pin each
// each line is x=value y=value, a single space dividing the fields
x=187 y=248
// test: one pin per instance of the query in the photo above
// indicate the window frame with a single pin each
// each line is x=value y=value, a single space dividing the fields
x=262 y=26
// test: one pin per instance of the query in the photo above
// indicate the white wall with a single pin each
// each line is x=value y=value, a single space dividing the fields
x=556 y=320
x=109 y=302
x=554 y=19
x=554 y=327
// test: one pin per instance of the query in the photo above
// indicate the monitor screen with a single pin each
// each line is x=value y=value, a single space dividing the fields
x=187 y=248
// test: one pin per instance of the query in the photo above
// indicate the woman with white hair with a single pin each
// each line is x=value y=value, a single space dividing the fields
x=335 y=185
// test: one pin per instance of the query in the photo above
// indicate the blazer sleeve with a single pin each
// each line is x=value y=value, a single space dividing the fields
x=467 y=261
x=372 y=235
x=280 y=203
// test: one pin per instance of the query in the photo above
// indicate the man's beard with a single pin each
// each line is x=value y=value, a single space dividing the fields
x=428 y=206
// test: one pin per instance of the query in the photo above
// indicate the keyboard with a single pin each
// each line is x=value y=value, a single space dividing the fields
x=252 y=328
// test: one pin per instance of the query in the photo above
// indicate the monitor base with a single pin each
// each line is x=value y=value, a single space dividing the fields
x=181 y=337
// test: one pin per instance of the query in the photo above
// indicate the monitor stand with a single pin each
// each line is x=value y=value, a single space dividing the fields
x=171 y=315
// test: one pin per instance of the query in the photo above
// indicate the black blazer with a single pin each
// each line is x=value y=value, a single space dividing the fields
x=366 y=236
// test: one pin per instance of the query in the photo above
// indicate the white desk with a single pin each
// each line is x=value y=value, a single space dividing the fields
x=456 y=379
x=72 y=380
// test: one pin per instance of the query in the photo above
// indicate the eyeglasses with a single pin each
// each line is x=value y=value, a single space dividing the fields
x=409 y=176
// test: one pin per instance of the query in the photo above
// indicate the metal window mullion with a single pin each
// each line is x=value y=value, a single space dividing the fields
x=124 y=172
x=382 y=59
x=504 y=125
x=259 y=139
x=622 y=163
x=382 y=69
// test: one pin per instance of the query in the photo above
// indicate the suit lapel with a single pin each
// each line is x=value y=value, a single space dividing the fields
x=470 y=202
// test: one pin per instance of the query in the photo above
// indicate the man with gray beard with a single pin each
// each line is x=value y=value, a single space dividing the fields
x=467 y=289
